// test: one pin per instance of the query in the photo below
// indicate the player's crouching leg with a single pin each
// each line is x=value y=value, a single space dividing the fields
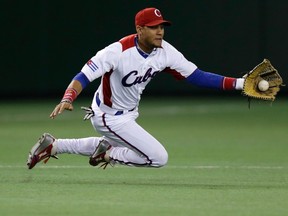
x=156 y=155
x=153 y=158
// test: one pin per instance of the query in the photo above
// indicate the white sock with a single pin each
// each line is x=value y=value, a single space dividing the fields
x=82 y=146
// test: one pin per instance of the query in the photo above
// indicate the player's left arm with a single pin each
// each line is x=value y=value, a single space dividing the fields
x=212 y=80
x=181 y=68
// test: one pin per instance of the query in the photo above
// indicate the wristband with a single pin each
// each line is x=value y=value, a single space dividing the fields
x=229 y=83
x=69 y=96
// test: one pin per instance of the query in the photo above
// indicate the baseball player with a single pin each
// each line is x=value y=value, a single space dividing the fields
x=125 y=68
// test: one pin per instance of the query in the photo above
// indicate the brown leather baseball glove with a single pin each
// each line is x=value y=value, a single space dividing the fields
x=263 y=71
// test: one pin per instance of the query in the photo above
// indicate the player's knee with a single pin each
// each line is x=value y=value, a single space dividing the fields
x=161 y=159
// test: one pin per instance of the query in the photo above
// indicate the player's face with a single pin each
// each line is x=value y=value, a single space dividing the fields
x=150 y=37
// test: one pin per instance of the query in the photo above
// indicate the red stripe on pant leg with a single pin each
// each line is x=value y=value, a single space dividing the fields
x=113 y=132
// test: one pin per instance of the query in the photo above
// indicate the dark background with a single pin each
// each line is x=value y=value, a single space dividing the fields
x=45 y=43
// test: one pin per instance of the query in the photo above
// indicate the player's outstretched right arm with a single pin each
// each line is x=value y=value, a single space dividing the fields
x=72 y=91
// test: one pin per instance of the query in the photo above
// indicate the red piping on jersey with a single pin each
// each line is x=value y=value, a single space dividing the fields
x=107 y=89
x=128 y=42
x=174 y=73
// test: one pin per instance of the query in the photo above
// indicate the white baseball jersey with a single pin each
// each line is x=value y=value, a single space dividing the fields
x=126 y=70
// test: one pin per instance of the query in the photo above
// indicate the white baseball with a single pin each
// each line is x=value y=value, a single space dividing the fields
x=263 y=85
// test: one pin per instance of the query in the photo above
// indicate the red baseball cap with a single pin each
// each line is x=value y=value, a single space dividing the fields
x=150 y=17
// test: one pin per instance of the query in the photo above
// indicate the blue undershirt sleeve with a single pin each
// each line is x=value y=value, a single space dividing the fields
x=81 y=77
x=205 y=79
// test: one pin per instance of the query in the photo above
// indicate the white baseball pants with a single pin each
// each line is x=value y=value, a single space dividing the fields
x=131 y=144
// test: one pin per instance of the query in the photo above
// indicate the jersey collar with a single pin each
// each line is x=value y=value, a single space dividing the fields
x=141 y=52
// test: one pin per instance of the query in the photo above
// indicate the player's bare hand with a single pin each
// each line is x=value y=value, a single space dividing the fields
x=60 y=108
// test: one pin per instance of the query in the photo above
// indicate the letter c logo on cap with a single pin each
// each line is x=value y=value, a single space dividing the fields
x=157 y=13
